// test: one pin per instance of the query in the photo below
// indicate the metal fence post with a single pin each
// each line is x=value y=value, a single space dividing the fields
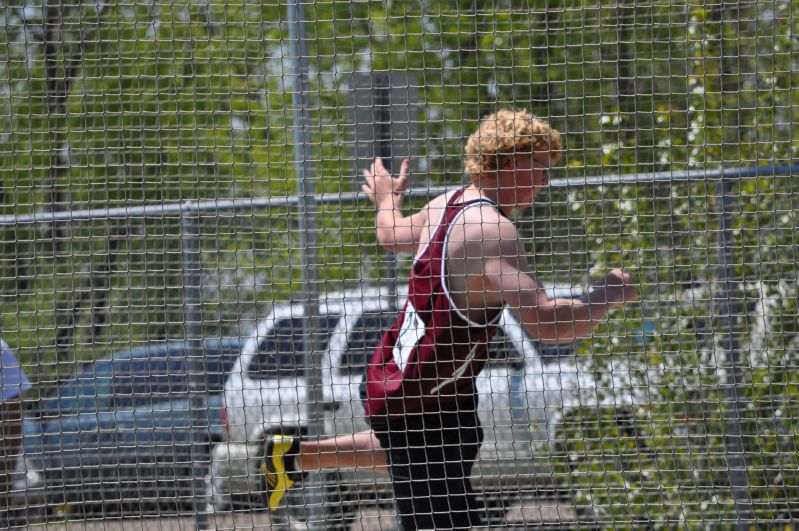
x=306 y=225
x=192 y=319
x=383 y=149
x=730 y=347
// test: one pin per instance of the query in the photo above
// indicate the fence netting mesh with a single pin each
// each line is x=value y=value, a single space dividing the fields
x=193 y=280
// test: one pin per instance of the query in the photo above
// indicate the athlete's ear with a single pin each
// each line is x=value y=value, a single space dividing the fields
x=506 y=162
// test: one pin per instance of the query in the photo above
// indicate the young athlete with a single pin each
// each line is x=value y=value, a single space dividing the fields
x=419 y=391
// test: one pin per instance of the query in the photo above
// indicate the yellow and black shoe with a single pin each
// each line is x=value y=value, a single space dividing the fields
x=279 y=468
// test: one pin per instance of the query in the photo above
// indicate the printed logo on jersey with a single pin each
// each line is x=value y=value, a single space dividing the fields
x=412 y=331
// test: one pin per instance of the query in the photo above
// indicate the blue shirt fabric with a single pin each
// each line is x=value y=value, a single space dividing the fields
x=13 y=380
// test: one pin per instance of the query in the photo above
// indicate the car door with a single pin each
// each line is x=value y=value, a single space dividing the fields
x=498 y=387
x=351 y=346
x=71 y=436
x=272 y=389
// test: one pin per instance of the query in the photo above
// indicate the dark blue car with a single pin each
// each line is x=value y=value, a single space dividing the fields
x=117 y=437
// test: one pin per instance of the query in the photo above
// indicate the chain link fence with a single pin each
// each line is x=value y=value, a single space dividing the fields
x=189 y=266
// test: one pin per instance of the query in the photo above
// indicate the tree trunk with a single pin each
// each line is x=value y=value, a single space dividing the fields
x=626 y=82
x=61 y=65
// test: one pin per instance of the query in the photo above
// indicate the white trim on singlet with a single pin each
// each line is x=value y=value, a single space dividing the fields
x=452 y=304
x=460 y=371
x=421 y=251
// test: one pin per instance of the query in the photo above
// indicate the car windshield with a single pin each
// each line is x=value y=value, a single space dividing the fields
x=363 y=339
x=281 y=351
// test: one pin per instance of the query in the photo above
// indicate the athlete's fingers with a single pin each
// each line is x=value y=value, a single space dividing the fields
x=369 y=193
x=620 y=282
x=378 y=166
x=405 y=168
x=402 y=182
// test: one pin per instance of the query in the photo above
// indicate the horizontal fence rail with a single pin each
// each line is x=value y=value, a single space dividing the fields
x=214 y=205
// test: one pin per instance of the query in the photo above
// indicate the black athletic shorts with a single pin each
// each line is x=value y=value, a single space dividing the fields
x=431 y=458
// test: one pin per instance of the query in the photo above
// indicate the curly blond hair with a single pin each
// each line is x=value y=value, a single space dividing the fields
x=508 y=132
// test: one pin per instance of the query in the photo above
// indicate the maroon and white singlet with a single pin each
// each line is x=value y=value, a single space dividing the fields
x=428 y=360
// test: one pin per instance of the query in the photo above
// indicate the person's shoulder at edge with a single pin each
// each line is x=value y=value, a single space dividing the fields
x=13 y=380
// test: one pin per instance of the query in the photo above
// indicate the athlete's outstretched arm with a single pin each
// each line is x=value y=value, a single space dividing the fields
x=395 y=231
x=559 y=320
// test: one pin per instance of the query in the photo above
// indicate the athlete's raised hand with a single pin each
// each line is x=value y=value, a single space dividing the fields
x=381 y=187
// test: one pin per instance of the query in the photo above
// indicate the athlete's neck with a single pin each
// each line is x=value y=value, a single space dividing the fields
x=490 y=194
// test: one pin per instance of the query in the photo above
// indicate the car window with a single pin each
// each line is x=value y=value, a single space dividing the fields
x=172 y=374
x=216 y=367
x=550 y=350
x=281 y=351
x=88 y=391
x=151 y=380
x=363 y=339
x=122 y=384
x=501 y=350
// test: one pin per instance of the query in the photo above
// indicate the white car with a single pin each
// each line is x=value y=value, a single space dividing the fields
x=522 y=391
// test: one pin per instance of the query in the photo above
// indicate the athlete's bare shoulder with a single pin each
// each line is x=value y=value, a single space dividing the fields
x=483 y=231
x=439 y=201
x=424 y=219
x=485 y=223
